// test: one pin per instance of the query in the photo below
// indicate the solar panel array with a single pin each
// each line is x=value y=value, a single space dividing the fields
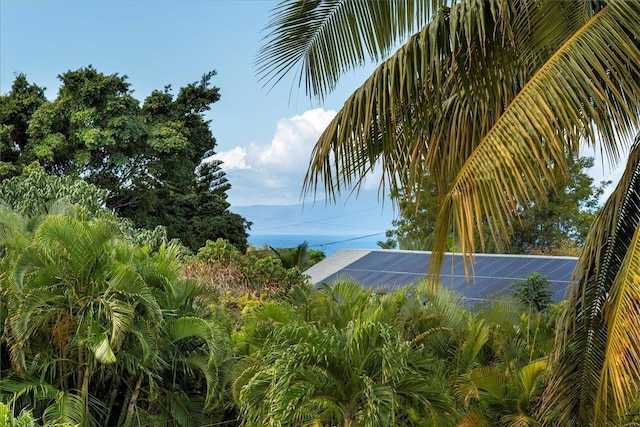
x=488 y=276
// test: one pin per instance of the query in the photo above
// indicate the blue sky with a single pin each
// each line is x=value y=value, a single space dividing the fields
x=264 y=137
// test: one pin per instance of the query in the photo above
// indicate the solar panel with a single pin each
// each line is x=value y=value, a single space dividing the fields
x=490 y=274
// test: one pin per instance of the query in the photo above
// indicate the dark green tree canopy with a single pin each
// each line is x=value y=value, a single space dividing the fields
x=96 y=129
x=16 y=109
x=558 y=226
x=144 y=154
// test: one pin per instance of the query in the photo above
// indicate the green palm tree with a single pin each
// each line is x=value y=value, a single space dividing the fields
x=486 y=98
x=362 y=373
x=101 y=332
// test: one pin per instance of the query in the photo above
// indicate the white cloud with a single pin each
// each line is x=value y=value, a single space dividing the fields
x=294 y=138
x=233 y=159
x=273 y=173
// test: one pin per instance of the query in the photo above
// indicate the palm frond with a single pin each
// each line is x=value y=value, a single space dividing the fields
x=595 y=367
x=621 y=371
x=424 y=107
x=20 y=387
x=529 y=377
x=185 y=327
x=180 y=409
x=24 y=319
x=68 y=408
x=102 y=350
x=325 y=38
x=204 y=366
x=126 y=281
x=588 y=89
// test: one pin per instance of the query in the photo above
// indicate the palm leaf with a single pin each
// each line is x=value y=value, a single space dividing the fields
x=325 y=38
x=529 y=378
x=67 y=409
x=24 y=320
x=413 y=113
x=621 y=370
x=180 y=409
x=204 y=366
x=103 y=351
x=186 y=327
x=77 y=242
x=597 y=362
x=127 y=282
x=241 y=373
x=588 y=88
x=12 y=224
x=20 y=387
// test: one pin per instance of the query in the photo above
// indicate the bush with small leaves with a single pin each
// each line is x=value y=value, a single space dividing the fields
x=534 y=291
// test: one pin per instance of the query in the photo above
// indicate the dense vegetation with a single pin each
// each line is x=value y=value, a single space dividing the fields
x=106 y=324
x=98 y=330
x=492 y=100
x=147 y=157
x=102 y=325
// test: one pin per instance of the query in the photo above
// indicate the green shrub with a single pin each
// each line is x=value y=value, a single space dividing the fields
x=534 y=292
x=7 y=419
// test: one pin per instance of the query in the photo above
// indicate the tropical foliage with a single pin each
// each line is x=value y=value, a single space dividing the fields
x=486 y=99
x=146 y=156
x=345 y=356
x=100 y=331
x=97 y=330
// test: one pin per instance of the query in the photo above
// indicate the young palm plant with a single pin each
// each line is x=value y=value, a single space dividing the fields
x=101 y=332
x=356 y=372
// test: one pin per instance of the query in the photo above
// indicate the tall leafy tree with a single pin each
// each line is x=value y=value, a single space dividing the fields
x=558 y=225
x=16 y=109
x=144 y=156
x=486 y=98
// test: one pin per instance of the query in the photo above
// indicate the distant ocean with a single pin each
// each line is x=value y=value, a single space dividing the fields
x=327 y=243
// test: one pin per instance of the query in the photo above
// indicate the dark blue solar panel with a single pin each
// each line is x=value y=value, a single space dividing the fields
x=489 y=274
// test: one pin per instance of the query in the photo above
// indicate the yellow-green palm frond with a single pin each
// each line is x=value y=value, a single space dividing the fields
x=596 y=364
x=621 y=372
x=588 y=90
x=424 y=108
x=480 y=85
x=325 y=38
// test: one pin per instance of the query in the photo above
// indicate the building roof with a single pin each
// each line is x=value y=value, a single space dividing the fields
x=490 y=274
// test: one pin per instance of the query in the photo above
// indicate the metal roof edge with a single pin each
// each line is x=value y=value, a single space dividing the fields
x=335 y=262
